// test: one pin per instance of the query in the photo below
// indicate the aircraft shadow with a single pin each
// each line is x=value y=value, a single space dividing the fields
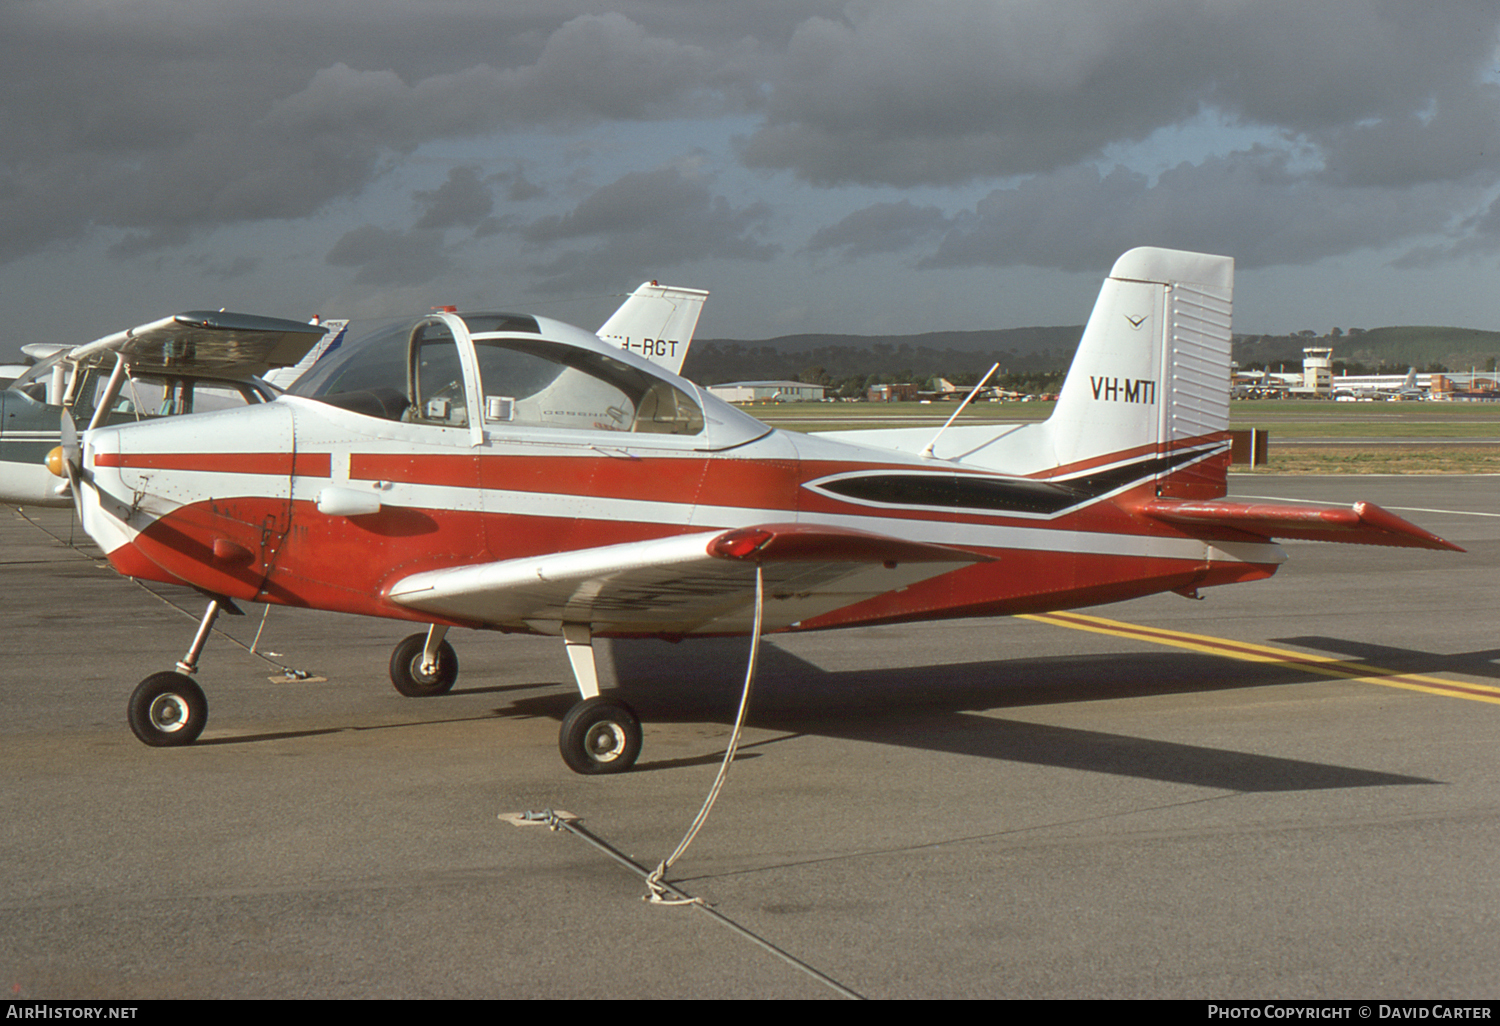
x=1479 y=663
x=284 y=735
x=936 y=708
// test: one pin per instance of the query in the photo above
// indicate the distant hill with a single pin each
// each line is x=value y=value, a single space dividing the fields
x=1023 y=351
x=949 y=353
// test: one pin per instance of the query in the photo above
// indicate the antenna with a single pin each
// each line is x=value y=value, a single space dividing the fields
x=927 y=452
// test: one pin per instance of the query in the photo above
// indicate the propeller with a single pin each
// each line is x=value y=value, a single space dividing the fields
x=67 y=461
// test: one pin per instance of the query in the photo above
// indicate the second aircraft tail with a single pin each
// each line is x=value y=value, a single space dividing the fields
x=656 y=322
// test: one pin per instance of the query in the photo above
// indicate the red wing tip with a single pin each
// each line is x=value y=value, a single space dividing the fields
x=1384 y=520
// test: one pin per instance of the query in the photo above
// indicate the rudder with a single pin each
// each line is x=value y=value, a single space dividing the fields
x=1151 y=374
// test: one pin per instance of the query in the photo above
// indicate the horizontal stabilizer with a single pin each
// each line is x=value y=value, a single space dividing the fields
x=1364 y=523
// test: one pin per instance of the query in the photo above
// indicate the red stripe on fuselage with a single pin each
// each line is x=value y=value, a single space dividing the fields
x=715 y=480
x=1126 y=455
x=345 y=564
x=709 y=482
x=281 y=464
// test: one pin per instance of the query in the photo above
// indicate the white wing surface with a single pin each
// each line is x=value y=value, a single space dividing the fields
x=701 y=583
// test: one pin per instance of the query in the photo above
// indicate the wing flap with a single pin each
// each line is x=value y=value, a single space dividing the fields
x=700 y=583
x=210 y=343
x=1364 y=523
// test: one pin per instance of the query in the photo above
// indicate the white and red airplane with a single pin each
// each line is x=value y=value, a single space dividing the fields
x=511 y=473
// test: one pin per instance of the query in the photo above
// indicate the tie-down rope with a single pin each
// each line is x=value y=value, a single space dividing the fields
x=655 y=881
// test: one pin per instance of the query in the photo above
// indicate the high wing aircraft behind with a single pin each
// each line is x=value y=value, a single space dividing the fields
x=507 y=472
x=200 y=360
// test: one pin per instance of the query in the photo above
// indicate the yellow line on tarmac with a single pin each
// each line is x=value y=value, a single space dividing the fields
x=1322 y=665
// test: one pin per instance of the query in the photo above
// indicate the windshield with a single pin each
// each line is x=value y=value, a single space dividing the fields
x=374 y=359
x=412 y=372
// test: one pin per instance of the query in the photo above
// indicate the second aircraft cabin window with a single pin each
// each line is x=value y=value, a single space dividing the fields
x=542 y=384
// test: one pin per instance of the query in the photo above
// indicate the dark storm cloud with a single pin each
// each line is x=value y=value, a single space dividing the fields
x=952 y=90
x=1456 y=137
x=462 y=201
x=1250 y=204
x=518 y=188
x=117 y=128
x=155 y=122
x=881 y=228
x=642 y=223
x=1477 y=235
x=387 y=257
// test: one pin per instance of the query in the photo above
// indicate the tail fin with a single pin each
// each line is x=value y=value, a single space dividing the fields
x=283 y=377
x=1150 y=378
x=656 y=322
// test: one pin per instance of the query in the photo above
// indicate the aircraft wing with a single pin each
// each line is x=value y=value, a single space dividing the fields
x=701 y=583
x=1364 y=523
x=210 y=343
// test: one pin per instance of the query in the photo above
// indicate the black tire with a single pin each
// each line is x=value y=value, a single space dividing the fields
x=167 y=710
x=406 y=668
x=600 y=735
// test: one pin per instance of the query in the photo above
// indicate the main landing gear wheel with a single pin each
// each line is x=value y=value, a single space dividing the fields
x=600 y=735
x=406 y=668
x=168 y=709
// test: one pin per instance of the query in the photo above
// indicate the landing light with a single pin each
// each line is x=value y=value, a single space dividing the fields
x=739 y=544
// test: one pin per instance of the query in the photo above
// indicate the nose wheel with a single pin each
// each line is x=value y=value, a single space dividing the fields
x=167 y=710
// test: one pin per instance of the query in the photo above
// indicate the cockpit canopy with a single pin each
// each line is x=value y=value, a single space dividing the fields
x=515 y=373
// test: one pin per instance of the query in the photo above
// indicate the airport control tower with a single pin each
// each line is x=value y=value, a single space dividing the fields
x=1317 y=370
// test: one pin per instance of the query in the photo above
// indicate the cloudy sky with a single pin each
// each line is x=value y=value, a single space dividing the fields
x=868 y=166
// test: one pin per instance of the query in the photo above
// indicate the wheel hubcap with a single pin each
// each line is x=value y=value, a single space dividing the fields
x=169 y=713
x=605 y=742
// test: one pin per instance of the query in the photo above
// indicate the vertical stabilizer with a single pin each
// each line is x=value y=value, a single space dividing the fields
x=1151 y=374
x=657 y=322
x=334 y=331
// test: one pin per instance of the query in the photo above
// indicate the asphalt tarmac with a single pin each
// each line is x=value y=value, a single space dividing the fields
x=1009 y=808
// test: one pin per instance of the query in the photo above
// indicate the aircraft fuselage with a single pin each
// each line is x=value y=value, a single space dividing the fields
x=237 y=512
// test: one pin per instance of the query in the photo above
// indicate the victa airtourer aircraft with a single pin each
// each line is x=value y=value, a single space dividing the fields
x=507 y=472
